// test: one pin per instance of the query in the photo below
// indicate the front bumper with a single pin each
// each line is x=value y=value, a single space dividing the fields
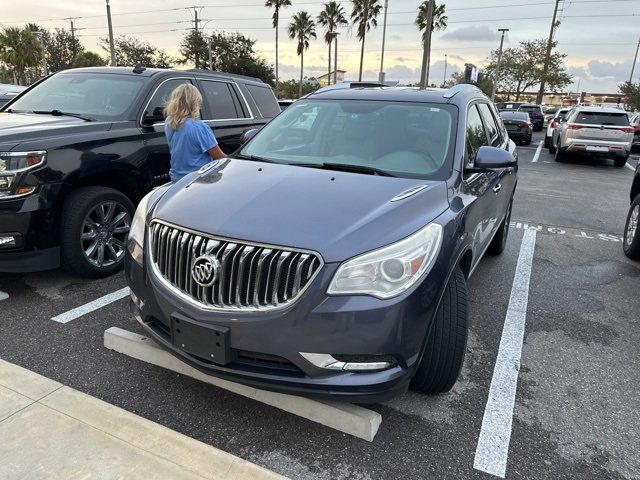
x=31 y=222
x=315 y=323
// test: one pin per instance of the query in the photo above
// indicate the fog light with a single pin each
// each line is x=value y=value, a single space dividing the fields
x=324 y=360
x=8 y=241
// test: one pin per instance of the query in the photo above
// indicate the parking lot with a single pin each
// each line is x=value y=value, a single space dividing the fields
x=577 y=394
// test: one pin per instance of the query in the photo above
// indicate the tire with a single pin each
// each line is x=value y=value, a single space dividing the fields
x=631 y=242
x=620 y=161
x=546 y=141
x=552 y=146
x=81 y=211
x=528 y=141
x=560 y=155
x=446 y=342
x=496 y=247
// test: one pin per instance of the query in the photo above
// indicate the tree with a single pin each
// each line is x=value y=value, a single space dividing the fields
x=302 y=28
x=19 y=51
x=522 y=67
x=61 y=49
x=88 y=59
x=131 y=50
x=276 y=5
x=632 y=92
x=193 y=47
x=331 y=17
x=438 y=22
x=364 y=14
x=291 y=88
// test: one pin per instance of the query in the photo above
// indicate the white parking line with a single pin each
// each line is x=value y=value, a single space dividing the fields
x=537 y=154
x=91 y=306
x=628 y=165
x=493 y=443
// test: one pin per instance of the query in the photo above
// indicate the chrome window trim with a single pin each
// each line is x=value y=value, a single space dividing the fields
x=256 y=102
x=153 y=95
x=238 y=90
x=209 y=308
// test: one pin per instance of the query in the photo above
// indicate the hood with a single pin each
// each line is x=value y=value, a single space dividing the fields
x=22 y=127
x=338 y=214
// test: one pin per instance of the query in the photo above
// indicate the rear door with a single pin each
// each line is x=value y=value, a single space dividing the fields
x=225 y=111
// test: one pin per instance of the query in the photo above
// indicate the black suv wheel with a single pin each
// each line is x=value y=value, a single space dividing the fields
x=631 y=242
x=95 y=225
x=447 y=341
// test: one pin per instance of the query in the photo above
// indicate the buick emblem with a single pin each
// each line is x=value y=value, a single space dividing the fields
x=205 y=270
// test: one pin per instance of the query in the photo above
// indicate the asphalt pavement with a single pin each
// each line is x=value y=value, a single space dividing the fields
x=577 y=397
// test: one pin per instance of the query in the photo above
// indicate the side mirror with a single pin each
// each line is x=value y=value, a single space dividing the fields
x=248 y=135
x=492 y=157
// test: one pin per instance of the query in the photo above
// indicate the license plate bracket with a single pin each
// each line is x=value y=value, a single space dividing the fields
x=597 y=149
x=208 y=342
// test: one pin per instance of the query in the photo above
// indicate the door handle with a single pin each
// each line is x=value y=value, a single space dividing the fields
x=497 y=188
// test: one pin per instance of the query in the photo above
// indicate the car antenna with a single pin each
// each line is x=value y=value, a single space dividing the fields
x=139 y=68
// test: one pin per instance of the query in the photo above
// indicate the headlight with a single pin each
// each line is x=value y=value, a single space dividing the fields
x=12 y=163
x=135 y=240
x=390 y=270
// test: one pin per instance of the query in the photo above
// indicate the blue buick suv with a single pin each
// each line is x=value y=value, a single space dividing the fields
x=329 y=255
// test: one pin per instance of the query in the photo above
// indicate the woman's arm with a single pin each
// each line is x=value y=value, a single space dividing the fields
x=216 y=153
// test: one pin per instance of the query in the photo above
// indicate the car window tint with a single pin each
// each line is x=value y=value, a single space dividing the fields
x=530 y=108
x=476 y=136
x=602 y=118
x=265 y=99
x=490 y=124
x=155 y=107
x=219 y=99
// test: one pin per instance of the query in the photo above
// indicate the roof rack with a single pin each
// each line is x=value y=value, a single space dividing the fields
x=458 y=88
x=224 y=74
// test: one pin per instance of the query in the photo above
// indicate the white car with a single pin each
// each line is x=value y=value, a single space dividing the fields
x=552 y=124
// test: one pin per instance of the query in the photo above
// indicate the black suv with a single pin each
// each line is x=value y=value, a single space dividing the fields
x=80 y=148
x=535 y=113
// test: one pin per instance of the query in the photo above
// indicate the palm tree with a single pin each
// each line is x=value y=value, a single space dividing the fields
x=365 y=13
x=303 y=29
x=331 y=17
x=277 y=5
x=19 y=50
x=438 y=22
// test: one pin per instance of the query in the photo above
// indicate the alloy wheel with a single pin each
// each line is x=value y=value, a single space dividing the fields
x=633 y=225
x=104 y=233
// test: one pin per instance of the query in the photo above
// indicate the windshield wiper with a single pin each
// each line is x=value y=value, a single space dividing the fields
x=346 y=167
x=255 y=158
x=59 y=113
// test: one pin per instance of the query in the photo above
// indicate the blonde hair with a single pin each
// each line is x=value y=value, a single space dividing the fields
x=185 y=102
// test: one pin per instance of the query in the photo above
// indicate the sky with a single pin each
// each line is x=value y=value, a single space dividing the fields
x=599 y=37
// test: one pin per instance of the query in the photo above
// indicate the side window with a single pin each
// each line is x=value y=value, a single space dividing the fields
x=476 y=136
x=155 y=108
x=490 y=124
x=265 y=99
x=220 y=100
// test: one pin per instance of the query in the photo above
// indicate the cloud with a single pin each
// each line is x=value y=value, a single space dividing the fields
x=402 y=59
x=604 y=69
x=579 y=72
x=472 y=34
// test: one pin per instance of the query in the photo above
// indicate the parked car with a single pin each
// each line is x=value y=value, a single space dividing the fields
x=558 y=117
x=535 y=114
x=82 y=147
x=631 y=242
x=518 y=125
x=338 y=261
x=7 y=92
x=595 y=131
x=635 y=123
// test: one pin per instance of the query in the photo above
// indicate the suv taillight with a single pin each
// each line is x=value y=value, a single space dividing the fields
x=573 y=126
x=628 y=129
x=553 y=124
x=523 y=125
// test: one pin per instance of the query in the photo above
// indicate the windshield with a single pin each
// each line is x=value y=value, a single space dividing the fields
x=105 y=96
x=602 y=118
x=530 y=108
x=403 y=139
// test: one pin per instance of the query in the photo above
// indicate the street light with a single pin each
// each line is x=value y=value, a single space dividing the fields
x=384 y=36
x=497 y=70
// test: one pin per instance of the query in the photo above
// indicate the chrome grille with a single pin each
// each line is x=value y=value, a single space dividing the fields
x=250 y=276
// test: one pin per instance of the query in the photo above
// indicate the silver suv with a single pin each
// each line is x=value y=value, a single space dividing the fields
x=596 y=131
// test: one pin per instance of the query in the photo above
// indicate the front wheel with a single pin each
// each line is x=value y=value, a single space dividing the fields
x=444 y=349
x=631 y=244
x=552 y=146
x=95 y=225
x=546 y=141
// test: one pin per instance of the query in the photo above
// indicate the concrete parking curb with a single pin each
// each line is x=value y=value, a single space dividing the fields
x=49 y=430
x=345 y=417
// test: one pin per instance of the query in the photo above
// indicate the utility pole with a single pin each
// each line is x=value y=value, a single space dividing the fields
x=427 y=47
x=497 y=71
x=633 y=65
x=112 y=48
x=73 y=29
x=384 y=36
x=335 y=59
x=196 y=25
x=210 y=53
x=444 y=77
x=547 y=57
